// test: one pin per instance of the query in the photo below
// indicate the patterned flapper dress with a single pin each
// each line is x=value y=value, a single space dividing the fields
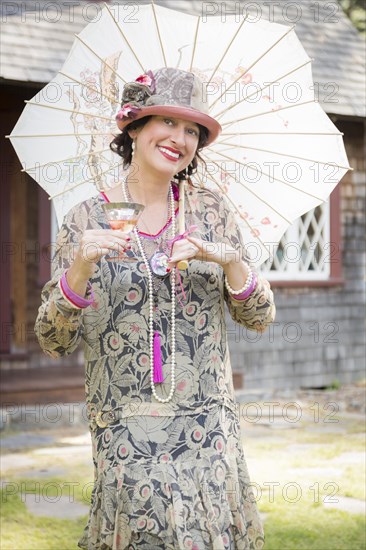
x=166 y=476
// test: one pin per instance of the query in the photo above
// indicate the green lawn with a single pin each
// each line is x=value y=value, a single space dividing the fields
x=302 y=525
x=305 y=525
x=298 y=519
x=20 y=530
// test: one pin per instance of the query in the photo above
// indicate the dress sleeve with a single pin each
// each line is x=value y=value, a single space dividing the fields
x=59 y=324
x=257 y=311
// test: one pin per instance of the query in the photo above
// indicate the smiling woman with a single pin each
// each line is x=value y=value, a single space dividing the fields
x=123 y=143
x=153 y=140
x=170 y=473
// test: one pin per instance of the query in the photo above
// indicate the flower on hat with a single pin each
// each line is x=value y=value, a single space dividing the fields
x=127 y=111
x=136 y=93
x=148 y=80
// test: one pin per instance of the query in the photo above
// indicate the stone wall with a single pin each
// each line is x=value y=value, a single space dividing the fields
x=319 y=333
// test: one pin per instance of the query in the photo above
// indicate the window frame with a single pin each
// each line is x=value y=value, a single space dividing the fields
x=335 y=272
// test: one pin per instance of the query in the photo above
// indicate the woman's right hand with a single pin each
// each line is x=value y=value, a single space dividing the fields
x=94 y=244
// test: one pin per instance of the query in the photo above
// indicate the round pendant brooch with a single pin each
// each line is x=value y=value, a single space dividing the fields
x=159 y=264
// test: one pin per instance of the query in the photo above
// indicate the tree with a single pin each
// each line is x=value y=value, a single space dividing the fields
x=356 y=11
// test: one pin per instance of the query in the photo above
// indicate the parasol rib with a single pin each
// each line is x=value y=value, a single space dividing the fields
x=90 y=114
x=226 y=50
x=228 y=198
x=230 y=122
x=93 y=178
x=183 y=264
x=83 y=84
x=285 y=155
x=194 y=43
x=261 y=89
x=158 y=31
x=264 y=174
x=255 y=194
x=37 y=166
x=100 y=58
x=124 y=36
x=199 y=179
x=252 y=65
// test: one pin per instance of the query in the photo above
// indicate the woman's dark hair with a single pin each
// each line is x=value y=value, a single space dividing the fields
x=122 y=145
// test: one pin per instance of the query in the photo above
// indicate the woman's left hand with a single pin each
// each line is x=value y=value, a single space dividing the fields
x=191 y=248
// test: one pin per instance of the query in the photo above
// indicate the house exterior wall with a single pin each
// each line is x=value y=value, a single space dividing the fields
x=318 y=336
x=22 y=245
x=17 y=217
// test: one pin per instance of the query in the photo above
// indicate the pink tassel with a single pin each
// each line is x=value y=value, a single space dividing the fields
x=158 y=361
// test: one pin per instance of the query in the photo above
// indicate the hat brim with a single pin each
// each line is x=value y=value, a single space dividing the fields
x=185 y=113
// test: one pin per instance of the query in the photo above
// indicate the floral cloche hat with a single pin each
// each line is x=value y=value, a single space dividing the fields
x=167 y=91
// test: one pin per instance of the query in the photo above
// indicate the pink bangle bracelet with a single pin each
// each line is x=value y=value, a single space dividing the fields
x=71 y=296
x=244 y=295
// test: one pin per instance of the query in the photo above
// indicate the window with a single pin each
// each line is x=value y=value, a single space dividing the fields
x=309 y=251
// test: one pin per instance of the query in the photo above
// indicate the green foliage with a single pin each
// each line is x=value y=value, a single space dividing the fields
x=356 y=11
x=335 y=385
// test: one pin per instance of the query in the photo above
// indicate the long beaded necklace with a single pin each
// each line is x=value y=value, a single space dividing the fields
x=149 y=272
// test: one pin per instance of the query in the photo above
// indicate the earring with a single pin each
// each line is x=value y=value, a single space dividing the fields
x=133 y=149
x=192 y=169
x=187 y=172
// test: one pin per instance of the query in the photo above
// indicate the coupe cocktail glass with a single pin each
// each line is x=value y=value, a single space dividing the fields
x=123 y=216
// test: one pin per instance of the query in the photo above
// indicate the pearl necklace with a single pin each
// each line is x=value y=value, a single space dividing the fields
x=151 y=304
